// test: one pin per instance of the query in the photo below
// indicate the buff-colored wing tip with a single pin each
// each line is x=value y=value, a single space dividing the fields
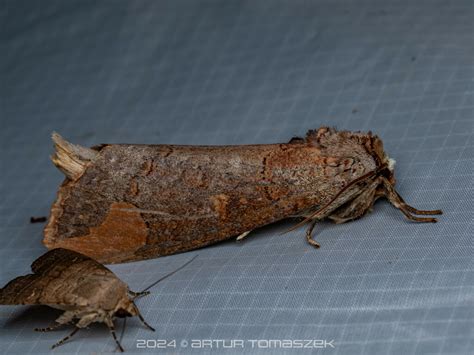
x=70 y=158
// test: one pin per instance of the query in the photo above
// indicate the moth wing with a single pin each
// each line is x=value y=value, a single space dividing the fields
x=58 y=274
x=60 y=258
x=20 y=290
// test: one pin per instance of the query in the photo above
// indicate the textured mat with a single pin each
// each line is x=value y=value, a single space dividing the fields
x=239 y=72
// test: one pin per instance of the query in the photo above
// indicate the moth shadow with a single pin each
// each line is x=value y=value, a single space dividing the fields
x=40 y=316
x=33 y=316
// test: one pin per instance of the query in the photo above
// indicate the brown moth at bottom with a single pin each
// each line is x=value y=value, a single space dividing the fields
x=123 y=202
x=84 y=289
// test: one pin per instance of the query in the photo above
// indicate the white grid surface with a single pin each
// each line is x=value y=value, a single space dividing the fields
x=240 y=72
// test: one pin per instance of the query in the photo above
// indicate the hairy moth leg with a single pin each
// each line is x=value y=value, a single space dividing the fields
x=396 y=200
x=50 y=328
x=309 y=233
x=414 y=210
x=64 y=319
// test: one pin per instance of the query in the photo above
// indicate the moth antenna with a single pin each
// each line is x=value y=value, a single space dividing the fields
x=70 y=158
x=322 y=209
x=143 y=292
x=136 y=295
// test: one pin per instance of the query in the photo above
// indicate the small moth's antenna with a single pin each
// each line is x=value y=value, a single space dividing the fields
x=144 y=291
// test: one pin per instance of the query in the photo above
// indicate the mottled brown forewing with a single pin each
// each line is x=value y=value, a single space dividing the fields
x=143 y=201
x=59 y=278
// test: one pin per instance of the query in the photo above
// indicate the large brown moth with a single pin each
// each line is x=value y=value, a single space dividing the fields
x=84 y=289
x=122 y=202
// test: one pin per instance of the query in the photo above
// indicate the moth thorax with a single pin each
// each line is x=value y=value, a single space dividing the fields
x=125 y=308
x=391 y=164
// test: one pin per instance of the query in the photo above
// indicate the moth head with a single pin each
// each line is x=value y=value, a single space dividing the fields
x=125 y=308
x=128 y=308
x=330 y=138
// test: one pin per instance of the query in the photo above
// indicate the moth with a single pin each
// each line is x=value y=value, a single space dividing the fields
x=84 y=289
x=122 y=202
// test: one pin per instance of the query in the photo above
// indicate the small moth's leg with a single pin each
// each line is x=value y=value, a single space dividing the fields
x=112 y=331
x=139 y=315
x=86 y=320
x=396 y=201
x=242 y=236
x=66 y=317
x=110 y=324
x=50 y=328
x=135 y=295
x=66 y=338
x=309 y=233
x=63 y=319
x=145 y=323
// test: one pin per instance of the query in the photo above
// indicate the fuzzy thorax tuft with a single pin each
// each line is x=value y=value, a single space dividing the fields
x=391 y=164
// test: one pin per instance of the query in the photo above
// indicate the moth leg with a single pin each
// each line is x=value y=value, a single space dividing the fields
x=139 y=315
x=66 y=338
x=145 y=323
x=50 y=328
x=357 y=207
x=65 y=318
x=87 y=319
x=242 y=236
x=309 y=233
x=414 y=210
x=110 y=324
x=398 y=203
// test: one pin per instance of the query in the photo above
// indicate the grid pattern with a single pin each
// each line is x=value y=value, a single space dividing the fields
x=239 y=72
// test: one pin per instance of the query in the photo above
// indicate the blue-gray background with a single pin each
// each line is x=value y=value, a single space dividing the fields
x=237 y=72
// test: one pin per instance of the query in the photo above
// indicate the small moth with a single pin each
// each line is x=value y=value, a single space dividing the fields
x=123 y=202
x=84 y=289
